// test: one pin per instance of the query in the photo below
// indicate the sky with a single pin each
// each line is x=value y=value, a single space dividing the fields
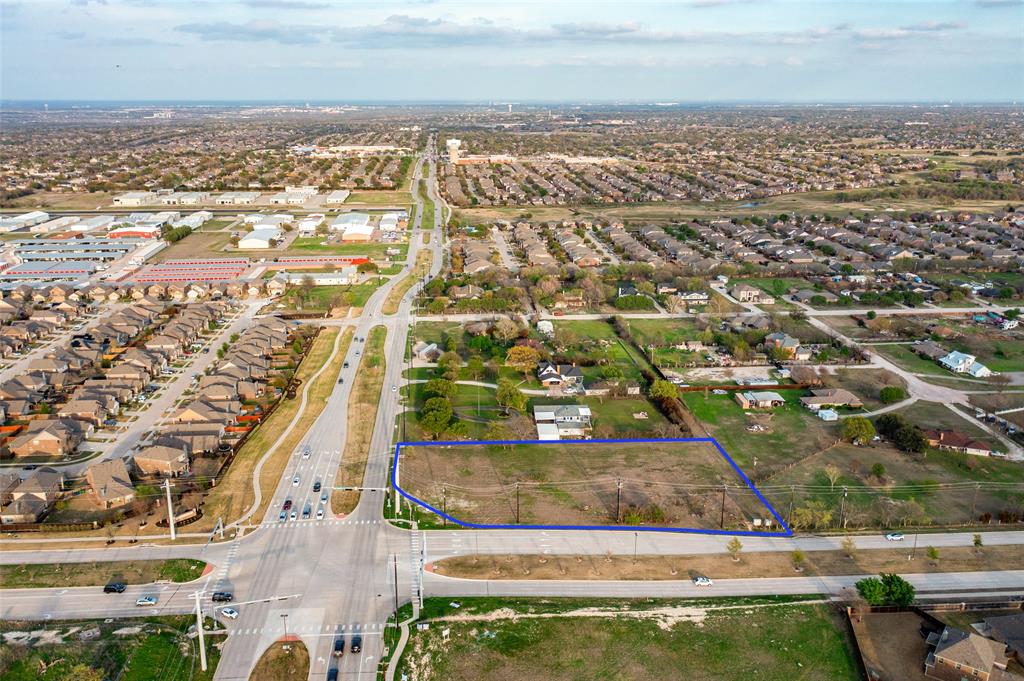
x=513 y=51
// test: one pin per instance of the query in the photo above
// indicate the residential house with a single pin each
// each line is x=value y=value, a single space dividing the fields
x=956 y=441
x=162 y=460
x=822 y=398
x=49 y=437
x=955 y=655
x=91 y=411
x=33 y=498
x=759 y=399
x=111 y=483
x=551 y=375
x=745 y=293
x=562 y=421
x=962 y=363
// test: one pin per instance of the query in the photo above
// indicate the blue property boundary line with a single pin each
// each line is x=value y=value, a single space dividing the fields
x=611 y=528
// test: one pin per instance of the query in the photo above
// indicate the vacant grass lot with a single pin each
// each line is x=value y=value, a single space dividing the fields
x=905 y=358
x=54 y=652
x=99 y=573
x=423 y=260
x=791 y=431
x=864 y=383
x=666 y=484
x=380 y=197
x=316 y=244
x=195 y=245
x=738 y=643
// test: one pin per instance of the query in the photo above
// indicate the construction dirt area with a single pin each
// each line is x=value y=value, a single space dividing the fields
x=666 y=484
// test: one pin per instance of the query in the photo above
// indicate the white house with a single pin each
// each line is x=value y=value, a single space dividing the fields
x=308 y=224
x=962 y=363
x=259 y=238
x=568 y=421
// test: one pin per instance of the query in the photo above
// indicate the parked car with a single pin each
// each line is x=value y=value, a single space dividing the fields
x=223 y=597
x=320 y=513
x=287 y=504
x=146 y=601
x=306 y=511
x=230 y=613
x=323 y=498
x=306 y=452
x=894 y=536
x=357 y=643
x=332 y=674
x=283 y=516
x=115 y=588
x=295 y=481
x=316 y=486
x=294 y=515
x=339 y=646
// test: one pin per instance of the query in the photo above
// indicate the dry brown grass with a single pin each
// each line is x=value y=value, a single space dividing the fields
x=721 y=566
x=362 y=415
x=283 y=661
x=61 y=575
x=233 y=496
x=423 y=261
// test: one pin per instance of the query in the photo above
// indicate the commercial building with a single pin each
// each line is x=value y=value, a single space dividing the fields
x=135 y=199
x=24 y=220
x=237 y=198
x=260 y=238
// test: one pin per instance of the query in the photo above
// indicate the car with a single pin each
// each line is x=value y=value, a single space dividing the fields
x=332 y=674
x=701 y=580
x=323 y=498
x=115 y=588
x=295 y=481
x=283 y=517
x=894 y=536
x=394 y=388
x=320 y=514
x=345 y=365
x=305 y=453
x=339 y=646
x=316 y=486
x=306 y=511
x=287 y=504
x=340 y=381
x=357 y=643
x=230 y=613
x=294 y=515
x=146 y=601
x=357 y=353
x=223 y=597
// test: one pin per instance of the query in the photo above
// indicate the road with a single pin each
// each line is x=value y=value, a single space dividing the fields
x=317 y=579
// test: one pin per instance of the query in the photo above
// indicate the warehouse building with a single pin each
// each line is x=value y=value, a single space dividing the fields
x=260 y=238
x=36 y=217
x=135 y=199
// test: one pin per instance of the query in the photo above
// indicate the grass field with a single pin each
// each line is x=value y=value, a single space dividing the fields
x=314 y=244
x=423 y=260
x=905 y=358
x=656 y=641
x=864 y=383
x=362 y=415
x=283 y=661
x=380 y=197
x=195 y=245
x=99 y=573
x=234 y=494
x=665 y=484
x=151 y=649
x=766 y=564
x=324 y=298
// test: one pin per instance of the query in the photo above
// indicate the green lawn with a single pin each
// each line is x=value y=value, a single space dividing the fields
x=315 y=244
x=663 y=332
x=775 y=643
x=380 y=197
x=320 y=298
x=99 y=573
x=775 y=286
x=905 y=358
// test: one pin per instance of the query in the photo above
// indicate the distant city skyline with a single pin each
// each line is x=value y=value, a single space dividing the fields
x=415 y=51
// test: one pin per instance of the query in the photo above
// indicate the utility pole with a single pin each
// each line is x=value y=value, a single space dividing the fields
x=517 y=503
x=721 y=520
x=170 y=509
x=842 y=508
x=618 y=499
x=636 y=536
x=792 y=495
x=444 y=505
x=913 y=553
x=284 y=618
x=199 y=630
x=974 y=500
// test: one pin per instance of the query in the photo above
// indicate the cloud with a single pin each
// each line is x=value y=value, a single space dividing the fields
x=930 y=26
x=253 y=31
x=285 y=4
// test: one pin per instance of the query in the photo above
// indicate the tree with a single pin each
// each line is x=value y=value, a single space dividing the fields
x=977 y=541
x=871 y=590
x=436 y=416
x=497 y=431
x=798 y=559
x=898 y=591
x=440 y=387
x=891 y=394
x=663 y=390
x=509 y=396
x=450 y=364
x=505 y=330
x=849 y=546
x=475 y=367
x=878 y=470
x=734 y=547
x=858 y=430
x=833 y=474
x=522 y=358
x=933 y=553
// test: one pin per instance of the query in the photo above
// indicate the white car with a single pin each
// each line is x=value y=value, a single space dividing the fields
x=702 y=581
x=394 y=388
x=294 y=515
x=305 y=453
x=230 y=613
x=323 y=498
x=295 y=481
x=146 y=601
x=894 y=536
x=319 y=514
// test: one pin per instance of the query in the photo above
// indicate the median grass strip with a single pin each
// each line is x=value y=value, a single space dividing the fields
x=423 y=261
x=234 y=495
x=362 y=415
x=428 y=207
x=770 y=642
x=56 y=575
x=283 y=661
x=721 y=566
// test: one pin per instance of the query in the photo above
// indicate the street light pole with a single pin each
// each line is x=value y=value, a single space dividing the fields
x=284 y=618
x=636 y=536
x=199 y=630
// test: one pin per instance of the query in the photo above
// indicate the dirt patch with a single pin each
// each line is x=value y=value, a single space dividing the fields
x=891 y=645
x=283 y=661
